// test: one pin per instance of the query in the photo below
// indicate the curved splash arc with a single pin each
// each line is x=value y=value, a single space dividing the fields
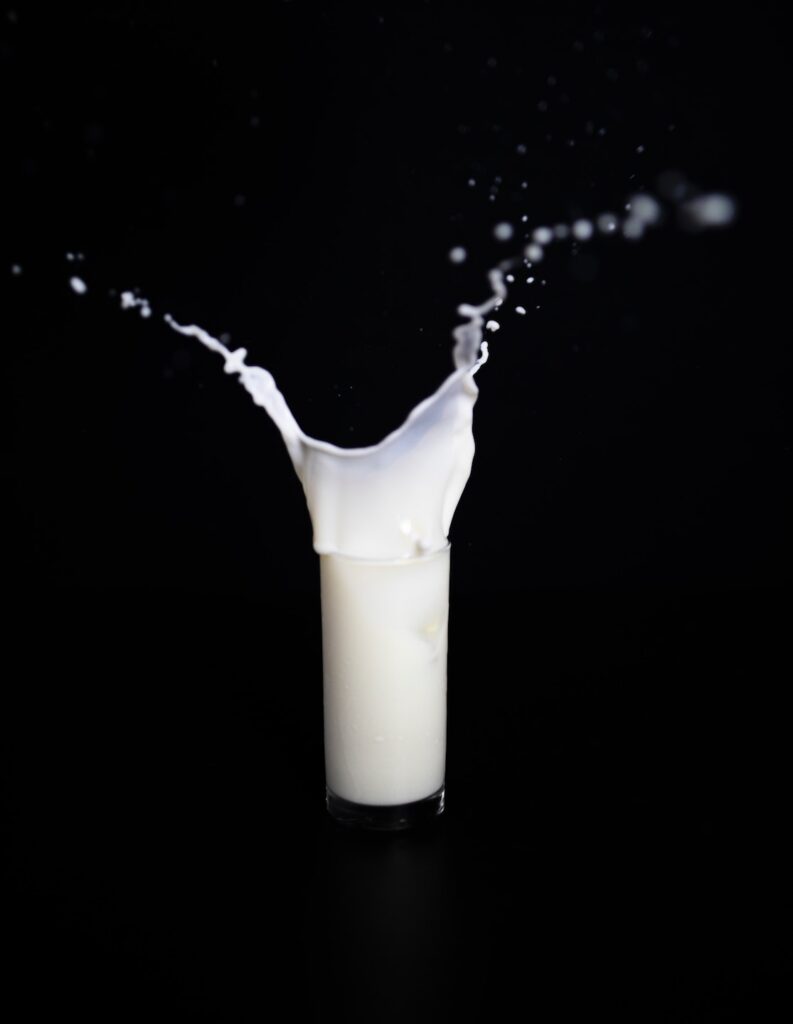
x=395 y=499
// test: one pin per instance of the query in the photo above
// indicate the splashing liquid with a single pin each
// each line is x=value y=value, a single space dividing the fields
x=381 y=517
x=396 y=499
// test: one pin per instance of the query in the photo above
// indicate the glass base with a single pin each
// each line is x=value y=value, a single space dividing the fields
x=388 y=817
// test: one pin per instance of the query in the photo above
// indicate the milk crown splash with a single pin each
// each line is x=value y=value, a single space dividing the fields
x=395 y=499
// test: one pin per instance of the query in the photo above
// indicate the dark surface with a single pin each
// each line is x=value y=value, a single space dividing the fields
x=613 y=843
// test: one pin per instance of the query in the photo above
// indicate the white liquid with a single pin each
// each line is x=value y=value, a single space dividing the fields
x=384 y=645
x=395 y=499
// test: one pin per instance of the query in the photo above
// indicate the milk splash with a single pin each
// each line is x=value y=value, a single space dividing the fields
x=395 y=499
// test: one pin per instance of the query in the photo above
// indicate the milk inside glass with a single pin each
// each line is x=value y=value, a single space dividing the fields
x=384 y=645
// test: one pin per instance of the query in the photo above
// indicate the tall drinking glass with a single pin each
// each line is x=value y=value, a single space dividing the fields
x=384 y=646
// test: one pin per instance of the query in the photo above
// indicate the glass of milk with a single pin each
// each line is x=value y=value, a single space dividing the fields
x=380 y=517
x=384 y=644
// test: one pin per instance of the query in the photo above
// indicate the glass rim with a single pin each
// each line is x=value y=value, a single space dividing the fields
x=403 y=560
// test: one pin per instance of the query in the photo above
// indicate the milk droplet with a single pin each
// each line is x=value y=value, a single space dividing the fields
x=16 y=269
x=607 y=223
x=131 y=301
x=633 y=228
x=534 y=252
x=503 y=232
x=492 y=325
x=542 y=235
x=561 y=231
x=709 y=211
x=645 y=208
x=582 y=229
x=521 y=310
x=458 y=254
x=78 y=286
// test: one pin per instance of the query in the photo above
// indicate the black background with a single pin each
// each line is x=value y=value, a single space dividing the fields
x=295 y=177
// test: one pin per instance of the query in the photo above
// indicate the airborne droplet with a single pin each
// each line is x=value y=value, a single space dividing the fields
x=709 y=211
x=582 y=230
x=607 y=223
